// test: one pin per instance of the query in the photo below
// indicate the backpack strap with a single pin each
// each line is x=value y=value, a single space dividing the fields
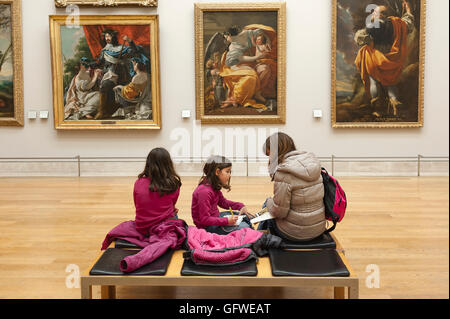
x=329 y=230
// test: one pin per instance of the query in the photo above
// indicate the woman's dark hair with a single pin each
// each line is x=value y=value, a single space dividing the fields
x=159 y=168
x=140 y=64
x=209 y=172
x=85 y=62
x=233 y=30
x=282 y=143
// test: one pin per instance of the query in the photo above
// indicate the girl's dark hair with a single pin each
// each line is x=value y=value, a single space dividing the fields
x=209 y=172
x=159 y=168
x=280 y=143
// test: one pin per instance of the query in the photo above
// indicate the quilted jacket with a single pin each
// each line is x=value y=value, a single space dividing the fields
x=297 y=204
x=205 y=248
x=169 y=234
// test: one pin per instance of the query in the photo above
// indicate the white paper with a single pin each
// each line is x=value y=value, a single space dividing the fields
x=262 y=217
x=239 y=220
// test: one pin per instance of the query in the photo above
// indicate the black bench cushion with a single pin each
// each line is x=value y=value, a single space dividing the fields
x=109 y=263
x=321 y=242
x=309 y=263
x=247 y=268
x=122 y=243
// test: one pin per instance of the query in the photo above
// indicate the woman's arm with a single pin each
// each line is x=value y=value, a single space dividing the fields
x=86 y=85
x=280 y=204
x=259 y=55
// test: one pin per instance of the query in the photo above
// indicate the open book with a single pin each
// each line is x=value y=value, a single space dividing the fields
x=262 y=215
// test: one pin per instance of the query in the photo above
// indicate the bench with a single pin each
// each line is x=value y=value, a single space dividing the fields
x=263 y=278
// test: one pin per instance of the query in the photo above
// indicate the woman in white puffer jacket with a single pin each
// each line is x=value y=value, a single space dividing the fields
x=297 y=204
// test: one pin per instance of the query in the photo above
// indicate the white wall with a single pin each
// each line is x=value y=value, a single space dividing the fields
x=307 y=80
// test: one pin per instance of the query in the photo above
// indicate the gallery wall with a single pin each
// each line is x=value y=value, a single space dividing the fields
x=308 y=80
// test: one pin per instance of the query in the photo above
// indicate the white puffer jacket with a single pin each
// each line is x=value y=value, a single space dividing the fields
x=297 y=204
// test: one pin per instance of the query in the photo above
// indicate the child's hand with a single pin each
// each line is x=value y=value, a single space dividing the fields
x=245 y=211
x=232 y=220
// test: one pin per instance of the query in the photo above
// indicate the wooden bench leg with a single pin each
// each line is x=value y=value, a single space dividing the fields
x=86 y=291
x=353 y=292
x=108 y=292
x=339 y=292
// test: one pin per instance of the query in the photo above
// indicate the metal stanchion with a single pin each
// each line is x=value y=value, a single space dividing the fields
x=79 y=165
x=332 y=165
x=418 y=164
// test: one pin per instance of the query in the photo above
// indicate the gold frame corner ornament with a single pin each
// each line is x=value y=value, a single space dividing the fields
x=420 y=121
x=55 y=23
x=280 y=8
x=17 y=56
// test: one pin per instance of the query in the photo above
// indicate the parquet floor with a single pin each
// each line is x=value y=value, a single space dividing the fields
x=50 y=226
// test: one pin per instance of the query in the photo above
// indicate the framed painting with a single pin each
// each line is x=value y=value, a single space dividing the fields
x=378 y=63
x=11 y=74
x=240 y=51
x=106 y=3
x=105 y=72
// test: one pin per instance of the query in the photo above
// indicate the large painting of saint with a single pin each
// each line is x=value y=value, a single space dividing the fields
x=106 y=73
x=11 y=81
x=240 y=63
x=378 y=54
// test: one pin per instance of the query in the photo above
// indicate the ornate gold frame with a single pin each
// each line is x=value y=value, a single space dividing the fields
x=16 y=40
x=280 y=118
x=55 y=23
x=420 y=121
x=106 y=3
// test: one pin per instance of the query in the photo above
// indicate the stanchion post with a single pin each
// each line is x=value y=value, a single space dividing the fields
x=79 y=165
x=418 y=164
x=332 y=165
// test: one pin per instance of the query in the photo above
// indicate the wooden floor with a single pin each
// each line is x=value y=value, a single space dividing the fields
x=401 y=225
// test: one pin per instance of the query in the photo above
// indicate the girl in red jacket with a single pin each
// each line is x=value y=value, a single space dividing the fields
x=156 y=191
x=208 y=195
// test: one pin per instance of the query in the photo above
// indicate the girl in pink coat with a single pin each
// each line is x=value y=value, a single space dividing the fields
x=208 y=195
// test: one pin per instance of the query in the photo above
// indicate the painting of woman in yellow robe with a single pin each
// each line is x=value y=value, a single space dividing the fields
x=241 y=65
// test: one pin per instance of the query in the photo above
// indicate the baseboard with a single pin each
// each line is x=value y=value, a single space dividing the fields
x=241 y=167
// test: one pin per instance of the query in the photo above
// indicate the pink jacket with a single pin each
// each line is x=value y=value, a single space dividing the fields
x=169 y=234
x=210 y=248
